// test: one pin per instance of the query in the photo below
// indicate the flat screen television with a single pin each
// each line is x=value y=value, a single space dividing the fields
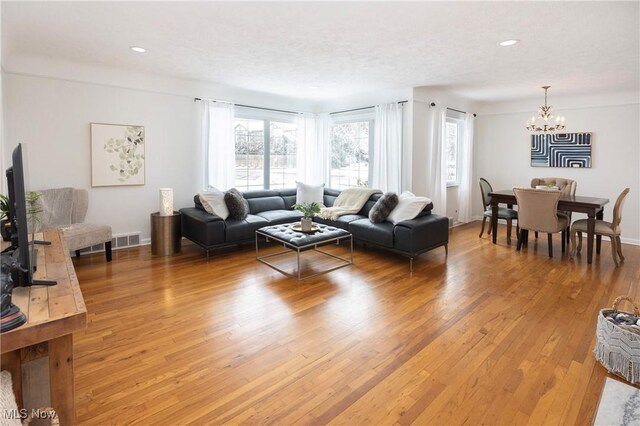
x=23 y=252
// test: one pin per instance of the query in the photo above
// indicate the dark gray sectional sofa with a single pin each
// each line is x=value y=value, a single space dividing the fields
x=272 y=207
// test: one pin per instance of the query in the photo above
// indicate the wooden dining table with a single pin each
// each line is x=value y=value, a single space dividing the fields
x=593 y=207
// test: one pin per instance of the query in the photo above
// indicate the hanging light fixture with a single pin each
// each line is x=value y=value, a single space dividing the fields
x=544 y=114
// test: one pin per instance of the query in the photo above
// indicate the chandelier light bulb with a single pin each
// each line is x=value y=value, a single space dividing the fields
x=545 y=114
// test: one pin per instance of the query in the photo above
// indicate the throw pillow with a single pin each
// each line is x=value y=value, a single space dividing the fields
x=237 y=205
x=383 y=207
x=309 y=193
x=213 y=202
x=409 y=206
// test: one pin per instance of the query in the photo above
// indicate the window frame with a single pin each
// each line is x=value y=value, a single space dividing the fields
x=367 y=115
x=450 y=118
x=266 y=117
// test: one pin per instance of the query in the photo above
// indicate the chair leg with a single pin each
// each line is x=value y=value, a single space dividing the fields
x=564 y=240
x=526 y=236
x=509 y=225
x=484 y=220
x=572 y=252
x=520 y=239
x=614 y=251
x=77 y=253
x=579 y=242
x=550 y=239
x=489 y=230
x=107 y=250
x=619 y=247
x=536 y=235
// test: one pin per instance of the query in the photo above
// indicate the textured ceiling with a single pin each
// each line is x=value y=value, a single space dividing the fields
x=345 y=48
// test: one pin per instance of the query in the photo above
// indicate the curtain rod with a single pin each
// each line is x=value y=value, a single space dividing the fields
x=452 y=109
x=250 y=106
x=359 y=109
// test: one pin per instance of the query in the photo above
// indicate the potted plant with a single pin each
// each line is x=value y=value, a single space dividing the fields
x=308 y=210
x=5 y=226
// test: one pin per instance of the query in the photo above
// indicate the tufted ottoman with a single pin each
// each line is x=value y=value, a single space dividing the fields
x=298 y=242
x=81 y=235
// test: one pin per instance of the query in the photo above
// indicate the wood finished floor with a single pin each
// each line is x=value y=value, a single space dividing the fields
x=486 y=335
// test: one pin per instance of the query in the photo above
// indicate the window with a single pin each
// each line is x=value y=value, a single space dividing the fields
x=265 y=153
x=350 y=147
x=453 y=134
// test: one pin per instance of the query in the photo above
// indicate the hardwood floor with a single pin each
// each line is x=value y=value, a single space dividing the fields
x=487 y=335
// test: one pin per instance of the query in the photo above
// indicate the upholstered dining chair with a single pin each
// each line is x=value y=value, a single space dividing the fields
x=503 y=213
x=538 y=211
x=611 y=230
x=566 y=186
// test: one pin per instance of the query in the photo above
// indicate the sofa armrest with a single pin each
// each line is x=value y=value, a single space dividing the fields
x=201 y=227
x=421 y=234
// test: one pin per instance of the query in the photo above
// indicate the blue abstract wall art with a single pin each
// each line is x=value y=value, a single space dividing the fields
x=561 y=150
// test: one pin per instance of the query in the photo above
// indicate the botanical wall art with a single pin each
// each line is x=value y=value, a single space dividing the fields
x=117 y=155
x=561 y=150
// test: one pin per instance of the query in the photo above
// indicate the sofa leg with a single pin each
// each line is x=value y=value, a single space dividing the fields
x=411 y=264
x=77 y=253
x=107 y=250
x=446 y=249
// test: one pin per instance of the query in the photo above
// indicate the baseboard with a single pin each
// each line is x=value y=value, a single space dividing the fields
x=625 y=240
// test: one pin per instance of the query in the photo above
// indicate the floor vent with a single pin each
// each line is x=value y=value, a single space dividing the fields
x=117 y=242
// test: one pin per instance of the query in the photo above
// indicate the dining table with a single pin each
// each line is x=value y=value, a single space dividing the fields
x=593 y=207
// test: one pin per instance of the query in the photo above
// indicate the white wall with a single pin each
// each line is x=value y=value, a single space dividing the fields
x=51 y=118
x=503 y=152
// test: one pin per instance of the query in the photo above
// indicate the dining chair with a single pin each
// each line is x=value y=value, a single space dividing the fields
x=538 y=212
x=566 y=186
x=611 y=230
x=507 y=214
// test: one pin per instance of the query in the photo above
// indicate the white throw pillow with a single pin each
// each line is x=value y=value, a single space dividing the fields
x=409 y=206
x=309 y=193
x=213 y=202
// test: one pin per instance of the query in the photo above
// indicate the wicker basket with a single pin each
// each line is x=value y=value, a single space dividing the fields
x=618 y=348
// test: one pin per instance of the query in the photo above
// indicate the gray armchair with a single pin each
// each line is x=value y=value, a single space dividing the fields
x=66 y=208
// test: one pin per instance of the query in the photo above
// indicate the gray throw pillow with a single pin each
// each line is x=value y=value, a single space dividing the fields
x=236 y=204
x=383 y=207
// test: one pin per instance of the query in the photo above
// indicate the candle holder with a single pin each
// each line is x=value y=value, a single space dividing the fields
x=166 y=201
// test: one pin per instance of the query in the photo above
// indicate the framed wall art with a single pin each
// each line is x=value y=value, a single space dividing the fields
x=117 y=155
x=561 y=150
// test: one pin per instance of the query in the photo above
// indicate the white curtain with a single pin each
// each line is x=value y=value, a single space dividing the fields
x=466 y=171
x=218 y=145
x=386 y=161
x=437 y=160
x=312 y=148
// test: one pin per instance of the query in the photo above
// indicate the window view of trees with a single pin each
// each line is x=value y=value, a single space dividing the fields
x=451 y=135
x=253 y=154
x=350 y=144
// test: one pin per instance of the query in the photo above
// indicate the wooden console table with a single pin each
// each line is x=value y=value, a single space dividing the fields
x=39 y=354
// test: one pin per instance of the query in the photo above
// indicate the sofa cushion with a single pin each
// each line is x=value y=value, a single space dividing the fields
x=289 y=197
x=265 y=204
x=409 y=207
x=213 y=202
x=376 y=233
x=277 y=217
x=342 y=222
x=309 y=193
x=381 y=209
x=237 y=205
x=242 y=230
x=330 y=196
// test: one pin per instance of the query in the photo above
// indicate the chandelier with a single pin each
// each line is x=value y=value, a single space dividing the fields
x=544 y=114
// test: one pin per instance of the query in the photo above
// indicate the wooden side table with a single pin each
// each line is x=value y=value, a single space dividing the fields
x=39 y=354
x=165 y=234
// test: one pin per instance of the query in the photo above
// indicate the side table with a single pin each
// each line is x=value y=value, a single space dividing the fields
x=165 y=234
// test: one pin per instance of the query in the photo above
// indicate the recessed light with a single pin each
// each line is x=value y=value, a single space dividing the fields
x=138 y=49
x=314 y=87
x=509 y=42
